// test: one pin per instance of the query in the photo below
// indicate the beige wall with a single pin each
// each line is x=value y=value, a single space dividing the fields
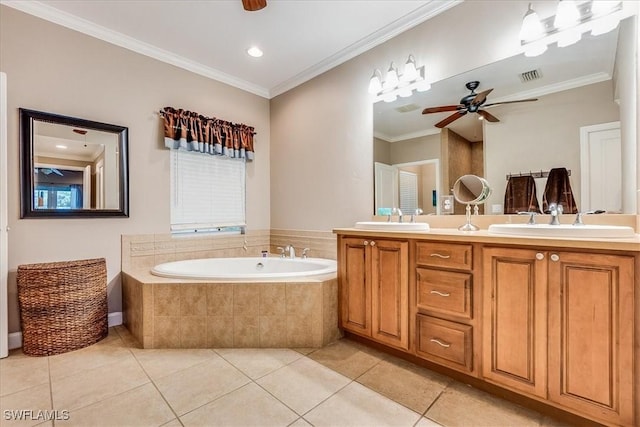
x=381 y=151
x=53 y=69
x=544 y=135
x=416 y=149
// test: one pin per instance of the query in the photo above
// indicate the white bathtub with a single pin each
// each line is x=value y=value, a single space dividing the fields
x=248 y=269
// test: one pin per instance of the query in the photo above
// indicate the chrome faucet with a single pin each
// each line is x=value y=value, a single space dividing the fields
x=532 y=216
x=578 y=220
x=555 y=210
x=418 y=211
x=291 y=250
x=396 y=211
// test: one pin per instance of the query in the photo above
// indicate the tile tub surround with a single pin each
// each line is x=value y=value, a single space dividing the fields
x=147 y=250
x=165 y=313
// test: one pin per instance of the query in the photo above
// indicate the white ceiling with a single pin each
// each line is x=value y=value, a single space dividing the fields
x=300 y=38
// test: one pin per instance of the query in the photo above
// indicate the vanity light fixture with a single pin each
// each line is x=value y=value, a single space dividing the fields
x=395 y=84
x=568 y=24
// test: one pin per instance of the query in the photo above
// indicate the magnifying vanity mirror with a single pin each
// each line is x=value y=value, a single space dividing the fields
x=578 y=87
x=471 y=190
x=71 y=167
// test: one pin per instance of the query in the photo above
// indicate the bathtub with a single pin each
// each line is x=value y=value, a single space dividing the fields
x=245 y=269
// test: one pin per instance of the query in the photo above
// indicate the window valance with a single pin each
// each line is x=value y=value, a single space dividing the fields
x=188 y=130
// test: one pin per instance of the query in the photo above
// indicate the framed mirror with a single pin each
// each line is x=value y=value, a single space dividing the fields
x=71 y=167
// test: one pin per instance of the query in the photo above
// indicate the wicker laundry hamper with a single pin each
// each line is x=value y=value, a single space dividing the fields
x=63 y=305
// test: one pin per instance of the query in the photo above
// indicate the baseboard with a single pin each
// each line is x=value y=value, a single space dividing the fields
x=15 y=338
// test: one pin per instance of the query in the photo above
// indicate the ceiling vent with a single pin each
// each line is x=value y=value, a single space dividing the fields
x=407 y=108
x=528 y=76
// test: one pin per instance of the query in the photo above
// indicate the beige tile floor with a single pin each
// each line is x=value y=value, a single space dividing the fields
x=114 y=383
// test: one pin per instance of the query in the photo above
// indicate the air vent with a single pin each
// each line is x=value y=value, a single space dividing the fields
x=407 y=108
x=528 y=76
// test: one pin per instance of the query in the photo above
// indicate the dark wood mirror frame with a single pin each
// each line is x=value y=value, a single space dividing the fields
x=27 y=185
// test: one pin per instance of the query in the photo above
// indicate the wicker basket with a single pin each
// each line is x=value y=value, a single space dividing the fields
x=63 y=305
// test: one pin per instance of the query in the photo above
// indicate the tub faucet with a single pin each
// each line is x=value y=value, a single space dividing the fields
x=555 y=210
x=291 y=250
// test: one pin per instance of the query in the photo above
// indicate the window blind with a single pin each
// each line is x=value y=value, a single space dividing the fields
x=207 y=192
x=408 y=183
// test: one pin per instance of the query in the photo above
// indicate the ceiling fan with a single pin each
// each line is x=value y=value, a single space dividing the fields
x=253 y=5
x=472 y=103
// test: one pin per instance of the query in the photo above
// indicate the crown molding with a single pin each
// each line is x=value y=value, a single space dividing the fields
x=406 y=136
x=401 y=25
x=48 y=13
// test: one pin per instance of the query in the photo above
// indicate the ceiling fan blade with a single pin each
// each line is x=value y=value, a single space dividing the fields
x=510 y=102
x=441 y=109
x=253 y=5
x=488 y=116
x=451 y=118
x=481 y=97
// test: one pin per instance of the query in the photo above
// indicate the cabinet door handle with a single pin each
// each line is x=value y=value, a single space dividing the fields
x=440 y=343
x=366 y=243
x=373 y=243
x=440 y=256
x=555 y=257
x=442 y=294
x=539 y=256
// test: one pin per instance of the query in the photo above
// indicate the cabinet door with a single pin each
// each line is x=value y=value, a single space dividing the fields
x=390 y=292
x=591 y=334
x=355 y=286
x=515 y=319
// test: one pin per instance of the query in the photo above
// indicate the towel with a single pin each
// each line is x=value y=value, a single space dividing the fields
x=558 y=190
x=520 y=195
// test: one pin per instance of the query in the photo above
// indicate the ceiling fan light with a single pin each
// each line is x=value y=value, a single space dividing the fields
x=567 y=15
x=532 y=28
x=375 y=86
x=410 y=72
x=535 y=49
x=391 y=81
x=569 y=37
x=255 y=52
x=604 y=25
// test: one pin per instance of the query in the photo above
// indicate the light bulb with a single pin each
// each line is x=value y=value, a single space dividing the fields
x=375 y=86
x=390 y=97
x=569 y=37
x=567 y=15
x=391 y=81
x=405 y=92
x=531 y=26
x=410 y=72
x=423 y=86
x=535 y=49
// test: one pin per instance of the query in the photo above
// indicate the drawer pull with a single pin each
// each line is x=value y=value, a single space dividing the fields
x=442 y=294
x=440 y=343
x=440 y=256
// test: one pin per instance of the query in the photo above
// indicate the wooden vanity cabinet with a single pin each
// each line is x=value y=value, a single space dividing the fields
x=559 y=325
x=443 y=304
x=374 y=289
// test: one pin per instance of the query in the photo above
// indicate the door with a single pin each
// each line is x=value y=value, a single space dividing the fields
x=591 y=334
x=355 y=286
x=600 y=172
x=386 y=186
x=514 y=323
x=390 y=292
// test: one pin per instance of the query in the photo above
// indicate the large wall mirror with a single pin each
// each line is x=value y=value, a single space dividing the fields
x=72 y=167
x=583 y=87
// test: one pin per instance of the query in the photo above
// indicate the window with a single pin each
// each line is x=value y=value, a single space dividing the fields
x=408 y=191
x=207 y=192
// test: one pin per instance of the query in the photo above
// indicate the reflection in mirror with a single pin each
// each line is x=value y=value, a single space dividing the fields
x=72 y=167
x=580 y=86
x=409 y=186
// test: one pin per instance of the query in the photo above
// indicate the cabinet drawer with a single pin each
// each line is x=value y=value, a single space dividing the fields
x=444 y=342
x=446 y=255
x=444 y=292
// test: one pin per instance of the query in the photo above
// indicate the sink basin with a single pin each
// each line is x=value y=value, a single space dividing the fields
x=392 y=226
x=564 y=230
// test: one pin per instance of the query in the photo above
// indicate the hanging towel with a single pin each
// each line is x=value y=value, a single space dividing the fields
x=520 y=195
x=558 y=190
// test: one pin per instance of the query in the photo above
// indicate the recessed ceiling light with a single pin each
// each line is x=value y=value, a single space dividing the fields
x=62 y=147
x=254 y=51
